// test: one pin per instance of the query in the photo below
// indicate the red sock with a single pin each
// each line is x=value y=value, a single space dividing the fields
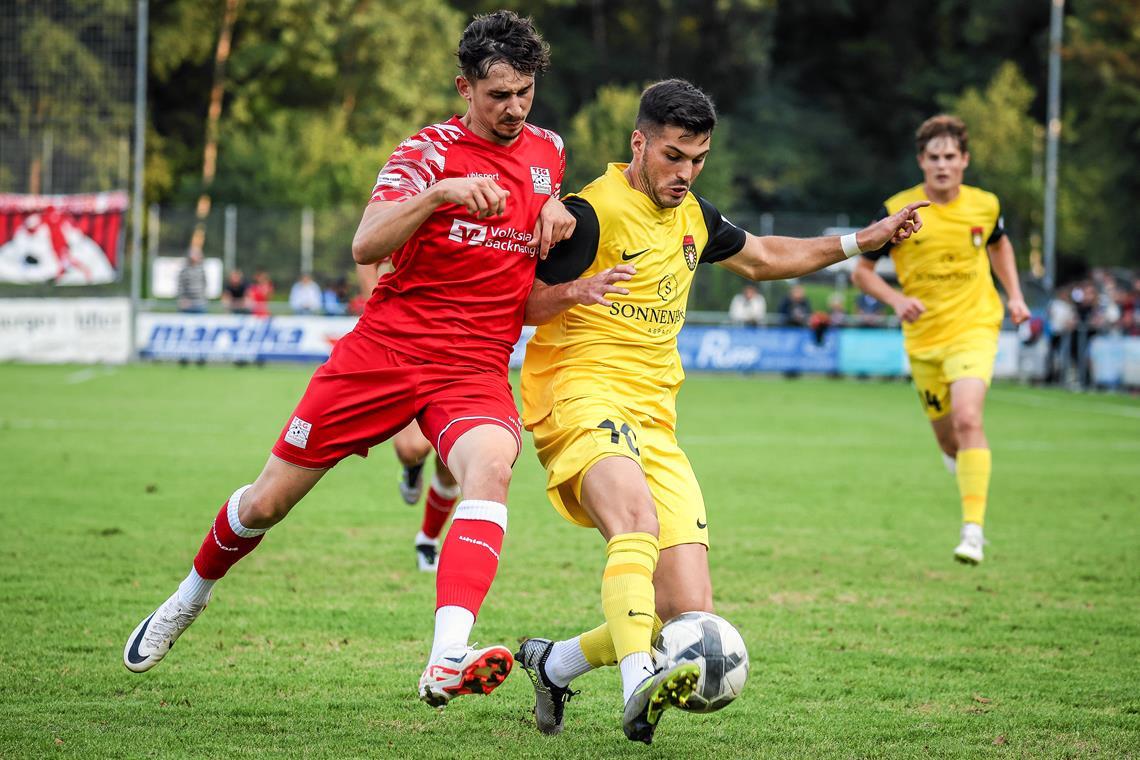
x=436 y=510
x=469 y=557
x=222 y=548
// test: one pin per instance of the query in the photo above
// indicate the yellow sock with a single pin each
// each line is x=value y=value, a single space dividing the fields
x=627 y=591
x=974 y=466
x=598 y=646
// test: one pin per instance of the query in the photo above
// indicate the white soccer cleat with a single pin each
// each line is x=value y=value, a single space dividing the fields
x=427 y=553
x=154 y=637
x=969 y=550
x=411 y=483
x=464 y=670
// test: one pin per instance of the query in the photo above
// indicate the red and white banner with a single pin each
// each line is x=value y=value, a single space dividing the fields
x=61 y=239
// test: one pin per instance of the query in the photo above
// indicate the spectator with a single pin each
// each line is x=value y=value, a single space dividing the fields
x=305 y=296
x=837 y=310
x=235 y=295
x=869 y=310
x=259 y=293
x=748 y=307
x=334 y=300
x=796 y=309
x=191 y=292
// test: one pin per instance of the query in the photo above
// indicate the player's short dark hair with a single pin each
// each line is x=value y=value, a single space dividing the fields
x=676 y=103
x=501 y=37
x=942 y=125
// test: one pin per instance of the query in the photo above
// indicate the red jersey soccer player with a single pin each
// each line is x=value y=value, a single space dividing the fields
x=461 y=207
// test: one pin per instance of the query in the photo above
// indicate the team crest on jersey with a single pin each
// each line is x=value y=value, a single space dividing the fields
x=976 y=236
x=689 y=246
x=298 y=433
x=540 y=177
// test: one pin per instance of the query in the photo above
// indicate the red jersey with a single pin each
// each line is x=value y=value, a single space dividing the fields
x=459 y=286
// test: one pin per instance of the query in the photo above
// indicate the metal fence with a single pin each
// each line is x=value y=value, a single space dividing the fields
x=286 y=242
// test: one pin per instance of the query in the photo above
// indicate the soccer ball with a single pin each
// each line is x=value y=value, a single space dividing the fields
x=712 y=643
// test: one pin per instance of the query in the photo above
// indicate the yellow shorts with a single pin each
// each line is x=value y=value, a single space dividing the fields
x=933 y=371
x=578 y=433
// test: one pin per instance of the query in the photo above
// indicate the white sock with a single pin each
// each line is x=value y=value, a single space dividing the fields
x=452 y=629
x=195 y=590
x=950 y=462
x=635 y=668
x=424 y=538
x=447 y=492
x=566 y=662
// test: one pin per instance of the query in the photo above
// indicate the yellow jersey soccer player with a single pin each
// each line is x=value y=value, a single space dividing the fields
x=600 y=381
x=950 y=309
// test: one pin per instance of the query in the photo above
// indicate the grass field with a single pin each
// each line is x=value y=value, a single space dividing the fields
x=832 y=521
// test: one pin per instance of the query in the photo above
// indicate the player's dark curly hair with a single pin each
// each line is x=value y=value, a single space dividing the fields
x=501 y=37
x=676 y=103
x=942 y=125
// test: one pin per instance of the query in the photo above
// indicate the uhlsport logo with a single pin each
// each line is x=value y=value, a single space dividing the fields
x=689 y=246
x=540 y=177
x=467 y=232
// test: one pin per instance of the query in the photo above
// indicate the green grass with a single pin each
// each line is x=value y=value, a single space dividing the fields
x=832 y=523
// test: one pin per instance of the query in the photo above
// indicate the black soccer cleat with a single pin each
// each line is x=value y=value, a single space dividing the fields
x=549 y=698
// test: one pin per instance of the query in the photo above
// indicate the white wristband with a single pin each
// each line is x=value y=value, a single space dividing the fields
x=850 y=245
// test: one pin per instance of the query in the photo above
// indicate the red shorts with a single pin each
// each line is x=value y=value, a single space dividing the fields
x=366 y=393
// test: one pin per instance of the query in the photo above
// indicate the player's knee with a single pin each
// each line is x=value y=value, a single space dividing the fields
x=262 y=510
x=409 y=454
x=495 y=473
x=634 y=515
x=967 y=421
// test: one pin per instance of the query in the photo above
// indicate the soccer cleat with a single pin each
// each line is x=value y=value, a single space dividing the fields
x=427 y=553
x=411 y=483
x=549 y=698
x=464 y=670
x=969 y=550
x=154 y=637
x=668 y=687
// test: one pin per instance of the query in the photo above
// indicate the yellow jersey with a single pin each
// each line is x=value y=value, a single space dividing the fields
x=626 y=352
x=946 y=266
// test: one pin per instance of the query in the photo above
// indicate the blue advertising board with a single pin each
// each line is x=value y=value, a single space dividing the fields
x=741 y=349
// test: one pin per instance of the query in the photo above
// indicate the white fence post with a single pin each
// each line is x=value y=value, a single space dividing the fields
x=307 y=240
x=229 y=244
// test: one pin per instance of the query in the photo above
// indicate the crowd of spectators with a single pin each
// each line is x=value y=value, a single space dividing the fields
x=242 y=295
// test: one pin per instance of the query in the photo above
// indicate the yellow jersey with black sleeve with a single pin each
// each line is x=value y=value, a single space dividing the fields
x=946 y=266
x=626 y=352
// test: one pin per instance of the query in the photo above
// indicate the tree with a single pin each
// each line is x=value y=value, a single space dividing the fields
x=1006 y=149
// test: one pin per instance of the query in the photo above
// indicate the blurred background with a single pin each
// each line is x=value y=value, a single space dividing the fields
x=266 y=122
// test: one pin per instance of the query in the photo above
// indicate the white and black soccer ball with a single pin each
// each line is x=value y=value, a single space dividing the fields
x=716 y=646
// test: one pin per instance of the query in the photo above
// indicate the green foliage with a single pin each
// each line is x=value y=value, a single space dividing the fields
x=831 y=521
x=599 y=134
x=1100 y=159
x=1006 y=149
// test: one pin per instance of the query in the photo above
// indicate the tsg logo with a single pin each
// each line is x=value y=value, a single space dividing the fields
x=467 y=232
x=540 y=178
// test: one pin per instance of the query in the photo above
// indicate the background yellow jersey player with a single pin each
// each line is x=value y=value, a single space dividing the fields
x=599 y=385
x=950 y=309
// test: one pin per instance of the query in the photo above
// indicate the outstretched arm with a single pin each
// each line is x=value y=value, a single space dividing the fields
x=548 y=301
x=778 y=258
x=1004 y=264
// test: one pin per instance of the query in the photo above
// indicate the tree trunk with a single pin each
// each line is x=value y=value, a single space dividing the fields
x=213 y=116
